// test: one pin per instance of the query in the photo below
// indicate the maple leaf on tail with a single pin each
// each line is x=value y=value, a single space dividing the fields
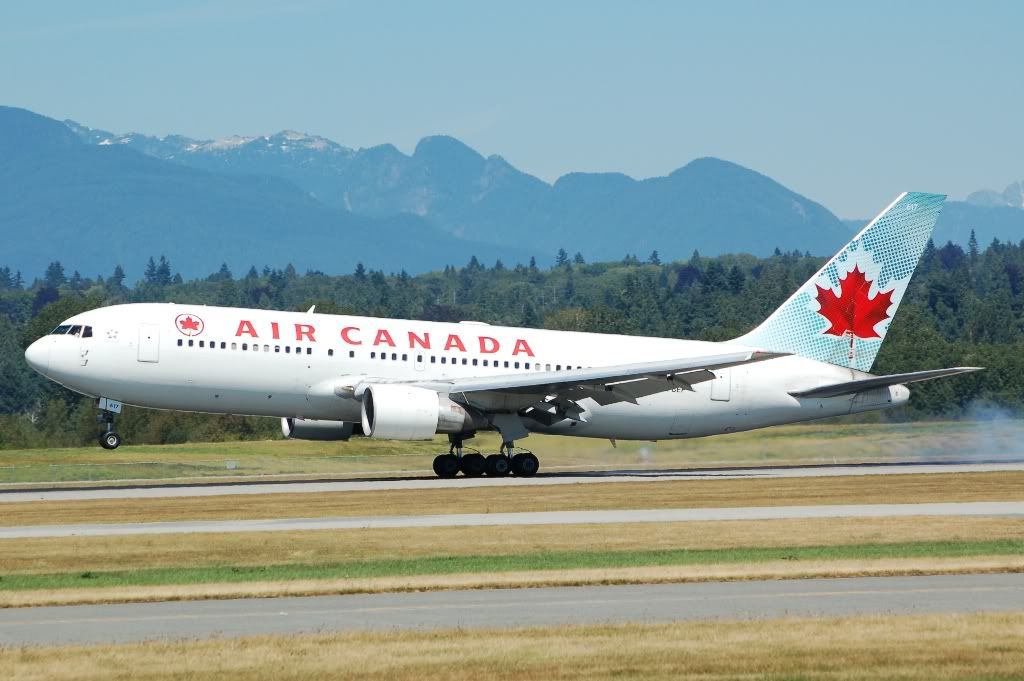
x=852 y=310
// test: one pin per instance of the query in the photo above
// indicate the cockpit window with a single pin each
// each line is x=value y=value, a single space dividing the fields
x=86 y=332
x=76 y=330
x=61 y=330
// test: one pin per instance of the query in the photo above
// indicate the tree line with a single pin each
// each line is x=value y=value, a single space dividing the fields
x=963 y=307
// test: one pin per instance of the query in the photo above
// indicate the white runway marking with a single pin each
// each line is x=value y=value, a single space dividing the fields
x=980 y=508
x=157 y=490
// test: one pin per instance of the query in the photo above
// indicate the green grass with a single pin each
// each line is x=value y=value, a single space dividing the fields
x=442 y=565
x=806 y=443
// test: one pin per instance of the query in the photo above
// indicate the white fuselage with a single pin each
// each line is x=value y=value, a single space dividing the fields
x=290 y=364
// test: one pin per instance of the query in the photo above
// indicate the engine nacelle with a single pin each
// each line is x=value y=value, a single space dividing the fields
x=312 y=429
x=403 y=412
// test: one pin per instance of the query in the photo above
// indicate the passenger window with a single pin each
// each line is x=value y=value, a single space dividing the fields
x=547 y=367
x=191 y=342
x=277 y=348
x=558 y=367
x=213 y=345
x=464 y=361
x=394 y=356
x=288 y=349
x=527 y=365
x=245 y=346
x=444 y=360
x=351 y=353
x=223 y=345
x=266 y=348
x=405 y=357
x=517 y=365
x=180 y=343
x=419 y=359
x=506 y=364
x=309 y=351
x=433 y=359
x=474 y=362
x=373 y=355
x=485 y=362
x=234 y=346
x=330 y=352
x=383 y=355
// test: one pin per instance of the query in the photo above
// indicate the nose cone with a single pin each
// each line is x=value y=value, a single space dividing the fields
x=38 y=355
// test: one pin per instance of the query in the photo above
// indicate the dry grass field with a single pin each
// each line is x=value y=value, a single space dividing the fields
x=904 y=648
x=877 y=489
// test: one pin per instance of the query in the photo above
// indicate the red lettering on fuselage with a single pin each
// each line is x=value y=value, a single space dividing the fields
x=246 y=327
x=346 y=335
x=415 y=340
x=383 y=338
x=489 y=345
x=275 y=331
x=522 y=347
x=304 y=331
x=454 y=342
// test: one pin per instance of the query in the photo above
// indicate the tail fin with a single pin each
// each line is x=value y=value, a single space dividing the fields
x=842 y=313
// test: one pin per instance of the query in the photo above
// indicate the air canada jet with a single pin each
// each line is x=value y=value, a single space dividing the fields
x=331 y=377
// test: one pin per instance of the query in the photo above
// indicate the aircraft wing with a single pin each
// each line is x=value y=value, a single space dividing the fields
x=860 y=385
x=624 y=382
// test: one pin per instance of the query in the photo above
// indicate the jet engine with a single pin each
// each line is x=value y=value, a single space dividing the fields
x=403 y=412
x=312 y=429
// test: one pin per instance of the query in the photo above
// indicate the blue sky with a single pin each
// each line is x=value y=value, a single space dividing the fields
x=846 y=103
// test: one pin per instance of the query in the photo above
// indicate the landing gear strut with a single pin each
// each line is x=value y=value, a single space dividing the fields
x=108 y=438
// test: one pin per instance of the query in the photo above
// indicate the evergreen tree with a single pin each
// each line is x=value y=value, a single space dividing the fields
x=533 y=264
x=150 y=272
x=54 y=276
x=561 y=258
x=499 y=265
x=653 y=258
x=972 y=246
x=360 y=272
x=163 y=272
x=116 y=280
x=578 y=259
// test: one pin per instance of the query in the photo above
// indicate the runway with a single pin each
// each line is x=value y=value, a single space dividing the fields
x=155 y=490
x=90 y=624
x=605 y=517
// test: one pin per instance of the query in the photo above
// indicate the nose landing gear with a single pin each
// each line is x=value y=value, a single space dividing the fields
x=109 y=439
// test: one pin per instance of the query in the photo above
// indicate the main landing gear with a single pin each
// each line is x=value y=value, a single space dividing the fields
x=108 y=438
x=473 y=464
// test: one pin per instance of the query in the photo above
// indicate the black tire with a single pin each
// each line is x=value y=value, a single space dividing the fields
x=473 y=465
x=525 y=465
x=498 y=466
x=110 y=440
x=446 y=466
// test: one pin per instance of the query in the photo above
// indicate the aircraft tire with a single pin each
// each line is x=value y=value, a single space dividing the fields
x=497 y=466
x=525 y=465
x=473 y=465
x=446 y=466
x=110 y=440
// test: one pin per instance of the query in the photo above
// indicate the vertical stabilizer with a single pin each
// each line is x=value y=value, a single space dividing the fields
x=842 y=313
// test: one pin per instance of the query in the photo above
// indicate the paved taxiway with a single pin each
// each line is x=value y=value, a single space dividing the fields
x=971 y=508
x=155 y=490
x=87 y=624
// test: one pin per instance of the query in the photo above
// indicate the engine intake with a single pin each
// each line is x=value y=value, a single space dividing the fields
x=312 y=429
x=402 y=412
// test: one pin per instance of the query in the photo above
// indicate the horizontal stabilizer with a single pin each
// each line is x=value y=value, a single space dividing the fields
x=860 y=385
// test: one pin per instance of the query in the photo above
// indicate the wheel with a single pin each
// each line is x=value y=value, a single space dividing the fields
x=473 y=465
x=525 y=465
x=497 y=465
x=110 y=440
x=446 y=466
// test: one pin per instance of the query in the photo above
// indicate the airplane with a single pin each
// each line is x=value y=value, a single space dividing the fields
x=332 y=377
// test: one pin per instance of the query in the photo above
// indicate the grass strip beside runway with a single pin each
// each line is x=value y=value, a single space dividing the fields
x=488 y=564
x=883 y=489
x=908 y=648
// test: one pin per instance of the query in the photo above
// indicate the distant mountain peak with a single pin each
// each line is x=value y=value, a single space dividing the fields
x=1011 y=197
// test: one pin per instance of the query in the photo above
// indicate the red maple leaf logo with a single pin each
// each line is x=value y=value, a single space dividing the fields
x=190 y=325
x=852 y=310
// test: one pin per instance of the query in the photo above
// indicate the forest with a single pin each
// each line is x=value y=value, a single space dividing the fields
x=963 y=307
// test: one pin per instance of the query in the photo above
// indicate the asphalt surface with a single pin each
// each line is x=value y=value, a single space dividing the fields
x=604 y=517
x=152 y=490
x=89 y=624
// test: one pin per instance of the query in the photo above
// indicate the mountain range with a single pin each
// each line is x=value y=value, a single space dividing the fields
x=92 y=198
